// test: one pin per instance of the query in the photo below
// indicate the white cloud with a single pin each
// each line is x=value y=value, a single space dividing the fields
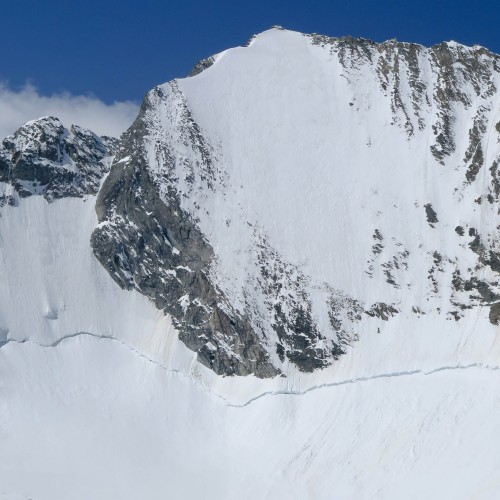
x=18 y=107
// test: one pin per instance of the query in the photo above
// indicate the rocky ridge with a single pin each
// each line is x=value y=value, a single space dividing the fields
x=44 y=158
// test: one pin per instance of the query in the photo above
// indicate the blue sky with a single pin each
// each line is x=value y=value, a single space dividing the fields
x=117 y=50
x=90 y=62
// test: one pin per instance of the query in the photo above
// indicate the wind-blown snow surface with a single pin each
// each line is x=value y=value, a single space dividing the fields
x=98 y=398
x=319 y=158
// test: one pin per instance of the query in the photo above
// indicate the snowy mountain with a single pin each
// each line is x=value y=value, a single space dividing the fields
x=284 y=274
x=303 y=192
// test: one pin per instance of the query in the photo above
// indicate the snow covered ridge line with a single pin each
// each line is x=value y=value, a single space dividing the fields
x=302 y=192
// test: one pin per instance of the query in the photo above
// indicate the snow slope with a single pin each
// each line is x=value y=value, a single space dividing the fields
x=91 y=419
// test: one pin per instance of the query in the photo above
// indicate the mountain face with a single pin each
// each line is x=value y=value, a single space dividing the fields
x=284 y=277
x=304 y=191
x=293 y=196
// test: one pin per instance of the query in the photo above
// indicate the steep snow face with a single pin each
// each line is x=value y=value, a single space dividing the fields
x=336 y=189
x=51 y=286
